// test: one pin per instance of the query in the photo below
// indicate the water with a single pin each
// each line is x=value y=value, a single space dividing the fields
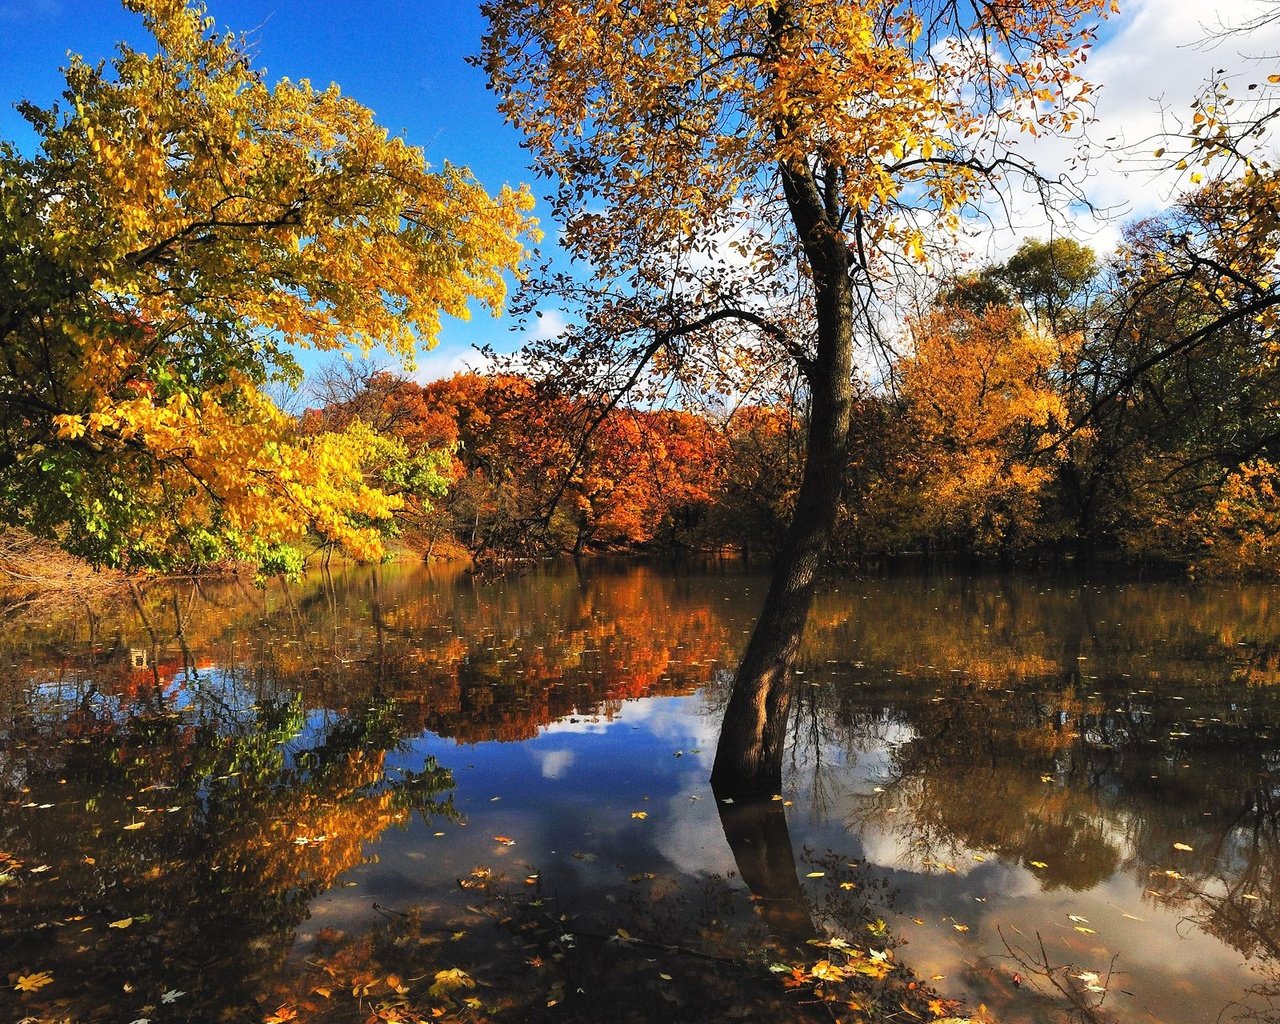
x=1042 y=795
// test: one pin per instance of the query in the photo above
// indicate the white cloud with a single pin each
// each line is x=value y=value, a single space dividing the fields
x=446 y=360
x=1152 y=61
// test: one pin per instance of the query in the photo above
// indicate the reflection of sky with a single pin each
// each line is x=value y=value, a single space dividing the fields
x=568 y=798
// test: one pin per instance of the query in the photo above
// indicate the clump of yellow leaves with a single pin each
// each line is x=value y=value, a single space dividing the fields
x=985 y=415
x=189 y=225
x=666 y=111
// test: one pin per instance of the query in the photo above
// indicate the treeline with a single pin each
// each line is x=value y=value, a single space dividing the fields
x=1030 y=417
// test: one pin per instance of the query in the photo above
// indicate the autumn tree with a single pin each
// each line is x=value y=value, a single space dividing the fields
x=186 y=226
x=740 y=176
x=985 y=420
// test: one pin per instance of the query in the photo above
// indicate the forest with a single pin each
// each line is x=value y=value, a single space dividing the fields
x=188 y=233
x=794 y=280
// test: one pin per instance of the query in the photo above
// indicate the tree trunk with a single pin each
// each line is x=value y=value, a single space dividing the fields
x=749 y=755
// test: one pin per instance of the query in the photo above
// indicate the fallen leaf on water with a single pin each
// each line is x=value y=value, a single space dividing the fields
x=960 y=927
x=664 y=977
x=1182 y=846
x=1039 y=864
x=33 y=982
x=815 y=874
x=172 y=996
x=124 y=922
x=847 y=885
x=1085 y=931
x=1077 y=919
x=1250 y=896
x=449 y=980
x=136 y=824
x=640 y=814
x=504 y=840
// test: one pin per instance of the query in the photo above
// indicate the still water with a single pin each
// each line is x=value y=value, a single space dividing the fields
x=412 y=794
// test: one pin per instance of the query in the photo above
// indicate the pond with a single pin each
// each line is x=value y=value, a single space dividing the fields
x=409 y=793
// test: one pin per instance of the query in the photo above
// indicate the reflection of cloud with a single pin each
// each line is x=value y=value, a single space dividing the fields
x=554 y=762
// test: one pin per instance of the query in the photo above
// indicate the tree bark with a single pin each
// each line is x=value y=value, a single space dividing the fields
x=748 y=759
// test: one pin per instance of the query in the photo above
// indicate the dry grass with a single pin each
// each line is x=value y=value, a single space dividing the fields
x=37 y=576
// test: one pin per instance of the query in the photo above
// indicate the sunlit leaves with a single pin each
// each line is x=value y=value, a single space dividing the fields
x=34 y=982
x=186 y=223
x=449 y=981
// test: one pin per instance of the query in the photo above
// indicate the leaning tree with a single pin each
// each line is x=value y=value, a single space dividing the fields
x=742 y=179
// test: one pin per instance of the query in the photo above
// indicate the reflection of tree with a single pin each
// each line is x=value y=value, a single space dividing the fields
x=821 y=958
x=467 y=659
x=189 y=841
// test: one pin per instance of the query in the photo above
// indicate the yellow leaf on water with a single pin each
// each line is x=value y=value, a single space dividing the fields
x=640 y=814
x=136 y=824
x=815 y=874
x=33 y=982
x=1039 y=864
x=124 y=922
x=1182 y=846
x=1085 y=931
x=449 y=980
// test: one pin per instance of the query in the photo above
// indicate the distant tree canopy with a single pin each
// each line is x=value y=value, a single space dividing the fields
x=183 y=227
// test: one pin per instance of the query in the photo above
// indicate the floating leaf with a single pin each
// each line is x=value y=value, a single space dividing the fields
x=504 y=840
x=33 y=982
x=640 y=814
x=450 y=980
x=135 y=825
x=815 y=874
x=124 y=922
x=1182 y=846
x=1039 y=864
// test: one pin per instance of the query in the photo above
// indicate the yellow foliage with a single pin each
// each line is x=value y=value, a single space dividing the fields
x=985 y=415
x=191 y=225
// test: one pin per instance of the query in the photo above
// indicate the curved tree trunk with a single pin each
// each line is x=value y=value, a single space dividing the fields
x=749 y=755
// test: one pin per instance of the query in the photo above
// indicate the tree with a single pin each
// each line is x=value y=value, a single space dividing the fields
x=740 y=175
x=983 y=411
x=185 y=226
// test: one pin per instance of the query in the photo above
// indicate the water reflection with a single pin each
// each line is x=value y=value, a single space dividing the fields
x=162 y=840
x=1095 y=764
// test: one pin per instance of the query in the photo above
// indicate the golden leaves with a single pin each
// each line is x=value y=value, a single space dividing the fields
x=222 y=219
x=33 y=982
x=666 y=112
